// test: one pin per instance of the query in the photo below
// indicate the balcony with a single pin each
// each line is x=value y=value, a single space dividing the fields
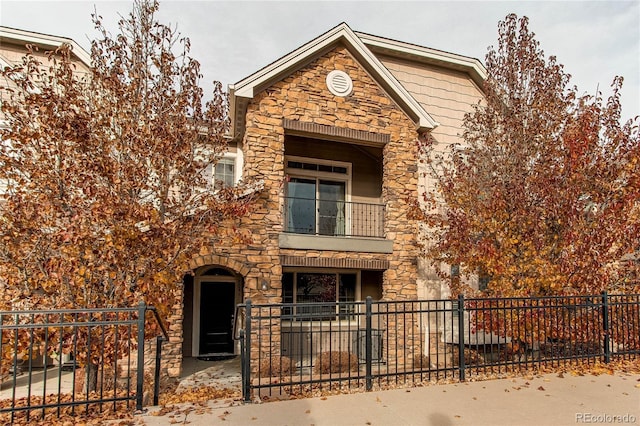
x=321 y=224
x=333 y=218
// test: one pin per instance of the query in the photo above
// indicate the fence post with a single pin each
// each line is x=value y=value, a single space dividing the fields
x=246 y=354
x=368 y=342
x=605 y=326
x=142 y=309
x=156 y=375
x=461 y=365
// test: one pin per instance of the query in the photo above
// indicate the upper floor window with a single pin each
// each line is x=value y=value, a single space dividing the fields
x=225 y=172
x=317 y=196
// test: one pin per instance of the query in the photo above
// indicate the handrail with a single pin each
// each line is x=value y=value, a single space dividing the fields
x=156 y=373
x=159 y=321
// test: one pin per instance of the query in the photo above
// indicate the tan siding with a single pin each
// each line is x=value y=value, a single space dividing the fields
x=13 y=53
x=445 y=94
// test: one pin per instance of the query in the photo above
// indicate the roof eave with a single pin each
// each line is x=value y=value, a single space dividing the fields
x=471 y=66
x=246 y=89
x=44 y=40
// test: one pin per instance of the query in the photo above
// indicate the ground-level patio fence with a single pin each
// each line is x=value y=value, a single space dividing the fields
x=57 y=362
x=301 y=349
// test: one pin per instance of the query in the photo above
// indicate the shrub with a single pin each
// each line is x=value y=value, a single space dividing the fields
x=336 y=362
x=276 y=366
x=471 y=356
x=420 y=361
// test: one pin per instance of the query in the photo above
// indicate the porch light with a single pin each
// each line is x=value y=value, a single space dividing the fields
x=264 y=285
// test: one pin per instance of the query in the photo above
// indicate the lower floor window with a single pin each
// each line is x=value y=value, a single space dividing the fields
x=322 y=292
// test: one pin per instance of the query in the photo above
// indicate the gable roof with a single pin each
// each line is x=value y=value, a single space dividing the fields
x=398 y=49
x=22 y=37
x=244 y=90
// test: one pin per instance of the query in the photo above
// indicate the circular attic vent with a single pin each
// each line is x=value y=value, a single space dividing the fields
x=339 y=83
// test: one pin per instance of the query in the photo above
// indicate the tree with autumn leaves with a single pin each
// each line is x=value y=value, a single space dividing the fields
x=543 y=196
x=105 y=199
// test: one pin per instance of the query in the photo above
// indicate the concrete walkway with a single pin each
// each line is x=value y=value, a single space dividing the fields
x=540 y=400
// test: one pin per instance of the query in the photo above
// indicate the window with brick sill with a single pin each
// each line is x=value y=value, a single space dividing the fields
x=317 y=295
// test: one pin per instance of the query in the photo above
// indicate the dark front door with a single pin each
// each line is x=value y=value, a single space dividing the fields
x=216 y=317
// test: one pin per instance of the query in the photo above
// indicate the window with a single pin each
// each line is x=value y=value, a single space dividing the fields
x=317 y=192
x=320 y=291
x=225 y=172
x=483 y=282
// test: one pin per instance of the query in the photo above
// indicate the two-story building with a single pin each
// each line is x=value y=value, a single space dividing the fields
x=332 y=131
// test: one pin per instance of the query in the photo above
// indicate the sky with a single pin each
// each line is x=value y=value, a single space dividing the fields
x=595 y=40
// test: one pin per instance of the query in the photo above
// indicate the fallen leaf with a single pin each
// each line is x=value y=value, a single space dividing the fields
x=540 y=388
x=561 y=375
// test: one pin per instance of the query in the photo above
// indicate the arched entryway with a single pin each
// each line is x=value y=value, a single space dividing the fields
x=211 y=295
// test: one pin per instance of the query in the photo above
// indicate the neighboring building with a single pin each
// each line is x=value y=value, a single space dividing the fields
x=331 y=129
x=13 y=44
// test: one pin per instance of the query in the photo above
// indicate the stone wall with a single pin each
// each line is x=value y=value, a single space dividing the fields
x=304 y=97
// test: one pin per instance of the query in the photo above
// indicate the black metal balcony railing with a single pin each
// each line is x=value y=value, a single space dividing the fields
x=333 y=218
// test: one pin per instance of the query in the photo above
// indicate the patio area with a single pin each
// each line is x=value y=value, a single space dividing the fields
x=218 y=372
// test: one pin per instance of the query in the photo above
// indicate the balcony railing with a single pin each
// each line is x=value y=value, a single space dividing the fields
x=333 y=218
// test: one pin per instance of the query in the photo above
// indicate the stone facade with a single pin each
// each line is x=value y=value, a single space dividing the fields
x=297 y=103
x=303 y=97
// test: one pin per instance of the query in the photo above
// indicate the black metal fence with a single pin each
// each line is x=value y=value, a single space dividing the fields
x=288 y=350
x=73 y=360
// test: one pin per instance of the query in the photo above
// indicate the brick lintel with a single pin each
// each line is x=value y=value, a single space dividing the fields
x=340 y=134
x=328 y=262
